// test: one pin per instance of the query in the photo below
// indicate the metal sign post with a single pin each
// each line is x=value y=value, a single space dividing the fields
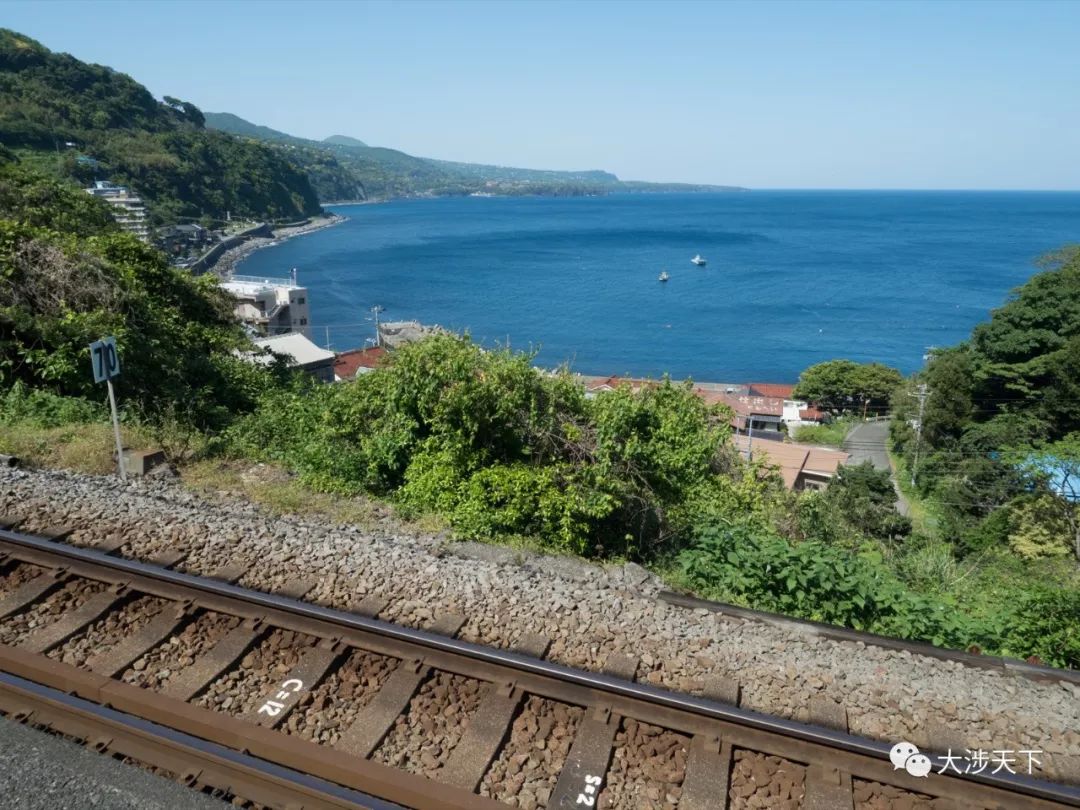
x=106 y=363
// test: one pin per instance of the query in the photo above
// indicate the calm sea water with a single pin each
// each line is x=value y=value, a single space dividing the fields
x=793 y=278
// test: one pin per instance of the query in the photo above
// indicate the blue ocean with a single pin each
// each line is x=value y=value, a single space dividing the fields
x=793 y=277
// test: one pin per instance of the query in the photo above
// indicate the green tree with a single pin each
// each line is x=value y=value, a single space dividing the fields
x=949 y=406
x=1026 y=356
x=839 y=385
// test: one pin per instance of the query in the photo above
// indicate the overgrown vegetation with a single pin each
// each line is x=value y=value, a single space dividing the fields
x=750 y=565
x=503 y=450
x=998 y=458
x=1000 y=441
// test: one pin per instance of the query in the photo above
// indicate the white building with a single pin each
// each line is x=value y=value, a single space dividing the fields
x=274 y=306
x=129 y=211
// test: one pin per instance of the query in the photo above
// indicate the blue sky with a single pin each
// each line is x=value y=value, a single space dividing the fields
x=782 y=95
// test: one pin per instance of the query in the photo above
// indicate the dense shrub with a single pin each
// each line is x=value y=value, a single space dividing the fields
x=501 y=448
x=1046 y=624
x=744 y=562
x=1037 y=528
x=866 y=500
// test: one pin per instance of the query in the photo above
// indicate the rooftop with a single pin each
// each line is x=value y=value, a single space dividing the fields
x=249 y=285
x=745 y=405
x=780 y=390
x=295 y=347
x=794 y=459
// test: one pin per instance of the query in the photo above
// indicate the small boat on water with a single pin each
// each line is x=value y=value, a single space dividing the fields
x=664 y=276
x=700 y=262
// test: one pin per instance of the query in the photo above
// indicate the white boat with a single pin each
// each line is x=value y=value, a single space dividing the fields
x=664 y=276
x=700 y=262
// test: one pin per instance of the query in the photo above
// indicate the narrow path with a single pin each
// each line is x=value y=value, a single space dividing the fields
x=866 y=442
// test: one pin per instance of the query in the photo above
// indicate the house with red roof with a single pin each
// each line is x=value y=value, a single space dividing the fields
x=775 y=390
x=347 y=365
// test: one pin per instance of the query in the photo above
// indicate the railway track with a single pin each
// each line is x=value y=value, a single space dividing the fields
x=279 y=702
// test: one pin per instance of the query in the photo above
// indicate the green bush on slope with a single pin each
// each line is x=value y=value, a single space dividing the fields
x=501 y=448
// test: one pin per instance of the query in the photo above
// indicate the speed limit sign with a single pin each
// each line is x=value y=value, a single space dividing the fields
x=106 y=362
x=105 y=359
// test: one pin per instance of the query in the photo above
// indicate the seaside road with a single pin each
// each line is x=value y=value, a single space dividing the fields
x=866 y=442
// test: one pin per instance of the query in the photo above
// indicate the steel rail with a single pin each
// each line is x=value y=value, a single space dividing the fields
x=870 y=758
x=204 y=762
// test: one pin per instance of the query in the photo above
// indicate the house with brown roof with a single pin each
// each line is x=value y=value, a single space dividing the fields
x=801 y=466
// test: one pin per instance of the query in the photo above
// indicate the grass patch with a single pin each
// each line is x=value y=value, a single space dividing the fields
x=85 y=448
x=832 y=434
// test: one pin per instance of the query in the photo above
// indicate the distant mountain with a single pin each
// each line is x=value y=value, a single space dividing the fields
x=341 y=168
x=227 y=122
x=484 y=172
x=343 y=140
x=84 y=122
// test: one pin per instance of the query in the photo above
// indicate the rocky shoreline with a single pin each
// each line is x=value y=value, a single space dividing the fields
x=227 y=262
x=588 y=611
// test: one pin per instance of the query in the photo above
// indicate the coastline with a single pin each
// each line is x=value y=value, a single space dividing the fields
x=228 y=261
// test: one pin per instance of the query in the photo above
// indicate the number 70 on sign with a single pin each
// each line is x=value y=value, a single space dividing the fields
x=105 y=359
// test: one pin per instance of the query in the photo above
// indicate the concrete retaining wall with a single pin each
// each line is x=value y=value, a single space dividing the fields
x=207 y=260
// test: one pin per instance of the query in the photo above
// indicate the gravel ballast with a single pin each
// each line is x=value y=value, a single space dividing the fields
x=588 y=612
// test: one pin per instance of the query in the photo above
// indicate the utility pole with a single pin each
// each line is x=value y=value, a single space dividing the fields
x=750 y=435
x=375 y=311
x=921 y=394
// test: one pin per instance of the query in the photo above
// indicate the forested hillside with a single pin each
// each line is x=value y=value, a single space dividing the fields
x=86 y=122
x=997 y=462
